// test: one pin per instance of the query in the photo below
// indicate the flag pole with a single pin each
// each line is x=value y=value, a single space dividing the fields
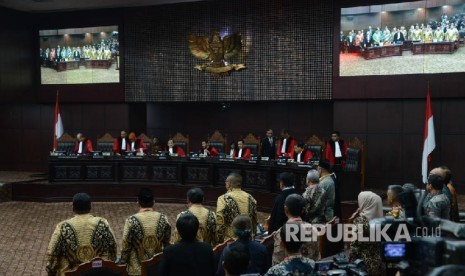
x=55 y=124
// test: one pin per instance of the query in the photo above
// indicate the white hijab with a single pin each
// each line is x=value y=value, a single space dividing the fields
x=370 y=205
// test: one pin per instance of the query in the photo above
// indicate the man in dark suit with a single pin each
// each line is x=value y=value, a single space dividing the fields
x=189 y=256
x=278 y=217
x=268 y=145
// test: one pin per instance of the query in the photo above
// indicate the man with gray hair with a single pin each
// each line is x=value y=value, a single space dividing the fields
x=315 y=199
x=233 y=203
x=82 y=145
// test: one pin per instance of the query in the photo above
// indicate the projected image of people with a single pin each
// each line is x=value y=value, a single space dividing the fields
x=419 y=37
x=80 y=55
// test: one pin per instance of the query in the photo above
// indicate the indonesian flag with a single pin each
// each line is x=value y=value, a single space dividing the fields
x=58 y=127
x=429 y=142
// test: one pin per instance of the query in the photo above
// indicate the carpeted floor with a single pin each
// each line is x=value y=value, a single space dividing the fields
x=26 y=228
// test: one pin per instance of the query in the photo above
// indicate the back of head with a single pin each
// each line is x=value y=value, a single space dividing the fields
x=236 y=180
x=295 y=204
x=290 y=235
x=287 y=179
x=195 y=195
x=394 y=191
x=436 y=181
x=325 y=166
x=313 y=176
x=448 y=270
x=447 y=174
x=236 y=259
x=81 y=203
x=370 y=205
x=145 y=198
x=187 y=226
x=242 y=227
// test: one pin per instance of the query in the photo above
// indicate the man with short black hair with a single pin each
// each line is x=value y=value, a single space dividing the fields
x=336 y=150
x=242 y=152
x=301 y=154
x=268 y=148
x=145 y=233
x=189 y=256
x=294 y=207
x=208 y=150
x=438 y=204
x=233 y=203
x=173 y=149
x=278 y=217
x=79 y=239
x=294 y=263
x=206 y=217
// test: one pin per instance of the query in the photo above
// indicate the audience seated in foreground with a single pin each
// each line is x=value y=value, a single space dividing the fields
x=294 y=263
x=293 y=207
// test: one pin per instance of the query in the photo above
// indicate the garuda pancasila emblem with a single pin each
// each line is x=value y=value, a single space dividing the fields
x=216 y=51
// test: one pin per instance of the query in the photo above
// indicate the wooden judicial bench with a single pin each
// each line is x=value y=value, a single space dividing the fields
x=97 y=63
x=382 y=51
x=434 y=47
x=67 y=65
x=120 y=177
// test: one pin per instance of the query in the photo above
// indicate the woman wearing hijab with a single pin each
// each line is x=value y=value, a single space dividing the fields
x=369 y=207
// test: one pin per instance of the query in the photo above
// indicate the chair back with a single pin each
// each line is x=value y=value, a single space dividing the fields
x=147 y=141
x=316 y=146
x=151 y=267
x=253 y=143
x=98 y=267
x=181 y=141
x=66 y=143
x=353 y=159
x=218 y=249
x=105 y=143
x=218 y=141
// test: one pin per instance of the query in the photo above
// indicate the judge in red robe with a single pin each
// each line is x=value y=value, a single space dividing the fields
x=241 y=152
x=136 y=145
x=285 y=145
x=121 y=144
x=208 y=150
x=302 y=155
x=174 y=149
x=336 y=150
x=82 y=145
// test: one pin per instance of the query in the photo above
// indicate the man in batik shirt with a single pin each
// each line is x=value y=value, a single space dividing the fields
x=293 y=207
x=207 y=218
x=79 y=239
x=294 y=263
x=145 y=233
x=233 y=203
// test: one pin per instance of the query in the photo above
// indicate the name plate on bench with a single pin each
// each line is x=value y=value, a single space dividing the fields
x=227 y=160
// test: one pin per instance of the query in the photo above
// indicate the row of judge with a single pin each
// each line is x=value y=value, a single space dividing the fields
x=83 y=145
x=336 y=148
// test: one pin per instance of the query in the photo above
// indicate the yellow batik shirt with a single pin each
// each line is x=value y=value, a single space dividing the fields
x=233 y=203
x=79 y=240
x=145 y=234
x=207 y=224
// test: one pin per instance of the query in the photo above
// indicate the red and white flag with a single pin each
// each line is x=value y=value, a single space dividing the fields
x=58 y=127
x=429 y=141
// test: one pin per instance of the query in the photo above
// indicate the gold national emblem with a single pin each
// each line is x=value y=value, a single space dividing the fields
x=85 y=253
x=150 y=242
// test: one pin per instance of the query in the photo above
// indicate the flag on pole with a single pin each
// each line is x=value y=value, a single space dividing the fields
x=429 y=142
x=58 y=127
